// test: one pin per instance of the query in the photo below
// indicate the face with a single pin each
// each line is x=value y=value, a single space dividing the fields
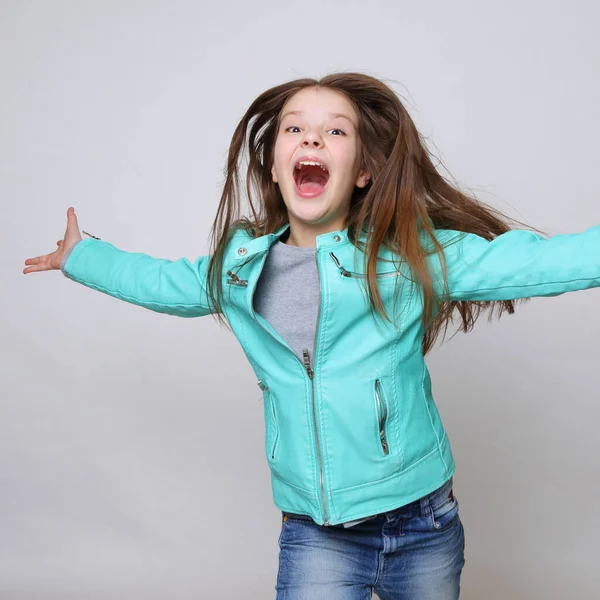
x=323 y=124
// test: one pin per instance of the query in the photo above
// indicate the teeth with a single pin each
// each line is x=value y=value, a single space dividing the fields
x=311 y=162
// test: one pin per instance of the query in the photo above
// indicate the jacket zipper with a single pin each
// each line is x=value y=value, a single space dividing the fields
x=381 y=416
x=312 y=381
x=310 y=373
x=347 y=273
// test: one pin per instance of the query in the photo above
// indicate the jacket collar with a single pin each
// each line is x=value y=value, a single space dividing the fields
x=245 y=248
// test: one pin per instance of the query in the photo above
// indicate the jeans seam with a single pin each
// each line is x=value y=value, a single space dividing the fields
x=380 y=559
x=279 y=568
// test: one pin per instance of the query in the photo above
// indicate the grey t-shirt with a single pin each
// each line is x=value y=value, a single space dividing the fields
x=288 y=294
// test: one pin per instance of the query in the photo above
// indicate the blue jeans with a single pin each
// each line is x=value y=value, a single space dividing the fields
x=415 y=552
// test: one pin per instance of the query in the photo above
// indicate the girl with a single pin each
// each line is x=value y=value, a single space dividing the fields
x=354 y=254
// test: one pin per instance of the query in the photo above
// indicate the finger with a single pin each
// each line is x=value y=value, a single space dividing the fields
x=37 y=266
x=34 y=261
x=72 y=218
x=33 y=269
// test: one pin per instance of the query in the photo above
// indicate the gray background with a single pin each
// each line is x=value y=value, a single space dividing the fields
x=131 y=443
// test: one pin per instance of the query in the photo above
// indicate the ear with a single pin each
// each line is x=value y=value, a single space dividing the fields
x=363 y=178
x=274 y=174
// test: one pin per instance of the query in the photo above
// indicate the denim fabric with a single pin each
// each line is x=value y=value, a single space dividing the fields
x=415 y=552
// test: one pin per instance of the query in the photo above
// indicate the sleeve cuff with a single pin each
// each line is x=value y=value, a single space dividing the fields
x=65 y=258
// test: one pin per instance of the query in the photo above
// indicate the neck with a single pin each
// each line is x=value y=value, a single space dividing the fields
x=305 y=236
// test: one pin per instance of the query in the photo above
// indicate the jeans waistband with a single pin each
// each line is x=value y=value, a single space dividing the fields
x=419 y=506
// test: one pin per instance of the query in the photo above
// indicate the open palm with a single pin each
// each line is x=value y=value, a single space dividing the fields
x=51 y=261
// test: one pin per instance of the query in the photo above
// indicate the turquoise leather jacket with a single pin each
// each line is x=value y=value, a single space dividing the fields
x=357 y=432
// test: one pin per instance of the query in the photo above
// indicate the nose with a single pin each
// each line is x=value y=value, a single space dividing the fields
x=312 y=138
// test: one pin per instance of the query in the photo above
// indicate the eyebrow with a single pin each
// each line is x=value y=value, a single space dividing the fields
x=332 y=115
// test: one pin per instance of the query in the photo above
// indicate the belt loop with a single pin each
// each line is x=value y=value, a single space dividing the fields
x=425 y=506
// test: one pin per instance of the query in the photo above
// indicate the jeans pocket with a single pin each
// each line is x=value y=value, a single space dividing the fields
x=444 y=511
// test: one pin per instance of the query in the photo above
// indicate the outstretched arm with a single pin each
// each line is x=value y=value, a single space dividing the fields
x=518 y=264
x=173 y=287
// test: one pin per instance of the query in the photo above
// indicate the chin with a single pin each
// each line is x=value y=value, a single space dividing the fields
x=309 y=207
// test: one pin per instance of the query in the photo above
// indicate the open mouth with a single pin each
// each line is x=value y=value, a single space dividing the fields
x=311 y=178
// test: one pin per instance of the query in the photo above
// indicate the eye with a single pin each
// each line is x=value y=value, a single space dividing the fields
x=296 y=127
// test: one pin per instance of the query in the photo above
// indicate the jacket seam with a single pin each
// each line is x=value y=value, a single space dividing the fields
x=306 y=491
x=394 y=391
x=140 y=300
x=126 y=297
x=524 y=285
x=424 y=398
x=396 y=474
x=395 y=504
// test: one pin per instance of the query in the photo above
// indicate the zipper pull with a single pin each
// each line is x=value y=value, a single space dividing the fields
x=264 y=387
x=307 y=363
x=339 y=266
x=236 y=279
x=384 y=444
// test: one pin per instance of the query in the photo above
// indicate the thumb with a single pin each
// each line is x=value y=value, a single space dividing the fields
x=72 y=234
x=72 y=218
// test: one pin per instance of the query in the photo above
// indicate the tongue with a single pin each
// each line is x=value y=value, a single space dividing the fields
x=311 y=180
x=310 y=187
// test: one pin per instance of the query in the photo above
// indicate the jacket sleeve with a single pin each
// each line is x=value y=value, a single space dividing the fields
x=517 y=264
x=172 y=287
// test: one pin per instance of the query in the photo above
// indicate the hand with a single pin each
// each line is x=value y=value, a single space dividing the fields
x=52 y=261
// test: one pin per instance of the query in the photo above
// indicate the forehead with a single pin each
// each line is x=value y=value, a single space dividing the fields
x=320 y=104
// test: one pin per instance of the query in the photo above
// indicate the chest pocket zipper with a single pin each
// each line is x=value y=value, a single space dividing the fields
x=347 y=273
x=382 y=413
x=235 y=280
x=272 y=439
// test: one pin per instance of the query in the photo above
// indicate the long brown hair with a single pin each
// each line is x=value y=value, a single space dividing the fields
x=405 y=194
